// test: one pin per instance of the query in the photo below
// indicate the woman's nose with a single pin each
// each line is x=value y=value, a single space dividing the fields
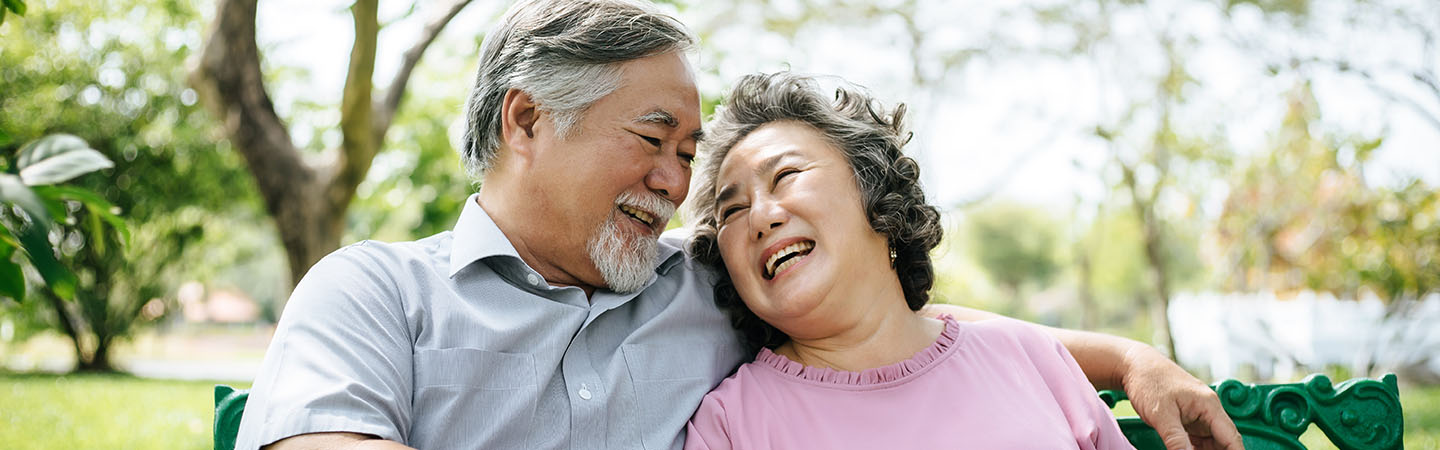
x=767 y=215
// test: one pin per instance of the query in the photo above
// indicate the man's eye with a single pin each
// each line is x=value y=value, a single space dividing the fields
x=687 y=159
x=651 y=140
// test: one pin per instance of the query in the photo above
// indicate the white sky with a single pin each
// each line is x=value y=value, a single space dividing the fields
x=987 y=115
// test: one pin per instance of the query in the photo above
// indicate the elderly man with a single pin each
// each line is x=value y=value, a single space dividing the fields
x=553 y=315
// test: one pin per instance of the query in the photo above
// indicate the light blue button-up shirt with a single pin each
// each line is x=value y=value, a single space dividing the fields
x=453 y=342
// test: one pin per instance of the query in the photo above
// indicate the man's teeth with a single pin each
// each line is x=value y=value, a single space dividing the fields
x=642 y=215
x=771 y=269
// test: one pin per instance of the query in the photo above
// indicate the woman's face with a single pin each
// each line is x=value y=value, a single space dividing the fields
x=792 y=228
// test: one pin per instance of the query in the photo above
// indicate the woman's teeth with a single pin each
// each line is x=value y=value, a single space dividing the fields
x=786 y=257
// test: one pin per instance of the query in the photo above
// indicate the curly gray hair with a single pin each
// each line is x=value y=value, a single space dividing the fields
x=566 y=55
x=871 y=139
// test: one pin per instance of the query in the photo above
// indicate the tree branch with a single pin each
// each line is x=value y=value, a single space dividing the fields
x=228 y=79
x=358 y=144
x=395 y=92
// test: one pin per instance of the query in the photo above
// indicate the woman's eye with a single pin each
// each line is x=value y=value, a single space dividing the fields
x=727 y=212
x=784 y=173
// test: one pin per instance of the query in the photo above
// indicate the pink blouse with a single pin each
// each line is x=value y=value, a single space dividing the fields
x=995 y=384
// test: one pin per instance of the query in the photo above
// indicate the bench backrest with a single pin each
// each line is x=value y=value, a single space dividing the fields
x=1359 y=414
x=229 y=406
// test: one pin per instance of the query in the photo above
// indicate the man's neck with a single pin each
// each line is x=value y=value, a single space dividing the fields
x=498 y=208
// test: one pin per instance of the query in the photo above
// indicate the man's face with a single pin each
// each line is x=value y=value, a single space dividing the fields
x=611 y=185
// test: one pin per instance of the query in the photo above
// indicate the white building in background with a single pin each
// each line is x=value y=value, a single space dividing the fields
x=1280 y=338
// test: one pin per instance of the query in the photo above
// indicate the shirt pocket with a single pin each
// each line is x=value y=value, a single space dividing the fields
x=473 y=398
x=669 y=379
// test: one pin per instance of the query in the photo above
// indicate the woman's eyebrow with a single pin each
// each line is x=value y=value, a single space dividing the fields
x=767 y=165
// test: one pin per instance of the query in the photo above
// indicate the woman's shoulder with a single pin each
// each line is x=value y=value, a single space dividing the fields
x=1013 y=329
x=1010 y=338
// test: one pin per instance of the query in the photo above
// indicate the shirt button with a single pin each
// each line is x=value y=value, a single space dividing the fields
x=533 y=279
x=584 y=394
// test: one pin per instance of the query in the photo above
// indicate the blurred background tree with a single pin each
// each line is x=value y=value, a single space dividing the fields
x=306 y=194
x=97 y=70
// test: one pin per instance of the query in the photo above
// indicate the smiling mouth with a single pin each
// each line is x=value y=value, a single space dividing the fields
x=637 y=214
x=786 y=257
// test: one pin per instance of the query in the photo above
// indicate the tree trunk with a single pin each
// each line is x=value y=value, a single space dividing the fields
x=1153 y=229
x=68 y=324
x=1088 y=314
x=307 y=197
x=1159 y=308
x=99 y=361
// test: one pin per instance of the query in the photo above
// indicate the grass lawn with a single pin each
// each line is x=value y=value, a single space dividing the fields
x=105 y=411
x=110 y=411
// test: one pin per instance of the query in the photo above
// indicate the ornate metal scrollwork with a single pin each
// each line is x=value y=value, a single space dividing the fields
x=1357 y=414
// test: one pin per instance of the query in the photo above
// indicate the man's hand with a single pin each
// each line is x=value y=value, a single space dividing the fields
x=1185 y=412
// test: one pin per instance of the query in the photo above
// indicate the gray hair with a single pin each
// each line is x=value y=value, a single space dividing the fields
x=871 y=138
x=566 y=55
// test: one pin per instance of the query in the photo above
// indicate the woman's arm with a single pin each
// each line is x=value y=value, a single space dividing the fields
x=1180 y=407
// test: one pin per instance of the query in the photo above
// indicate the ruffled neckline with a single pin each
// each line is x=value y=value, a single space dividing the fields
x=892 y=373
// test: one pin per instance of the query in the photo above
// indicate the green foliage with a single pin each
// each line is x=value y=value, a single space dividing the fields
x=1016 y=245
x=48 y=160
x=416 y=186
x=1302 y=216
x=15 y=6
x=113 y=74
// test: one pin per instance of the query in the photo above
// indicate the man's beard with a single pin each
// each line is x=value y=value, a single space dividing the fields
x=628 y=262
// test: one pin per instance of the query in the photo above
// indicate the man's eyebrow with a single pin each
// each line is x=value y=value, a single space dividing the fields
x=658 y=116
x=663 y=117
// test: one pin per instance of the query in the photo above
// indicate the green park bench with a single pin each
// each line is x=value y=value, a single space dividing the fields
x=1360 y=414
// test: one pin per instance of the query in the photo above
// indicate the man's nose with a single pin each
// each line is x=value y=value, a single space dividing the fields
x=670 y=179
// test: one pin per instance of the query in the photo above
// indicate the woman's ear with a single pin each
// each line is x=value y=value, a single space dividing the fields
x=518 y=115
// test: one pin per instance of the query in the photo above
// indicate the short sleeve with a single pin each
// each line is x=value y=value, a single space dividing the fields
x=1091 y=422
x=708 y=429
x=340 y=360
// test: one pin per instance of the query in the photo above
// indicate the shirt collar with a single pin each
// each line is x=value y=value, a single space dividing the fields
x=476 y=237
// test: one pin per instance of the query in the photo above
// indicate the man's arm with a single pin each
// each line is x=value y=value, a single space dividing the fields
x=1184 y=411
x=336 y=441
x=340 y=359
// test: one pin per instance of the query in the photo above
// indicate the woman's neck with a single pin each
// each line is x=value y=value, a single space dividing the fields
x=879 y=338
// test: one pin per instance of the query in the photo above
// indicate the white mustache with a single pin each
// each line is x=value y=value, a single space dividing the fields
x=657 y=206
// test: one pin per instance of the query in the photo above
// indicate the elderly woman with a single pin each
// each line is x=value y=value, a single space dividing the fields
x=822 y=234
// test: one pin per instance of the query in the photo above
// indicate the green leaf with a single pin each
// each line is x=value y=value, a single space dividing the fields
x=16 y=5
x=36 y=243
x=14 y=190
x=12 y=275
x=2 y=16
x=58 y=157
x=98 y=206
x=35 y=236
